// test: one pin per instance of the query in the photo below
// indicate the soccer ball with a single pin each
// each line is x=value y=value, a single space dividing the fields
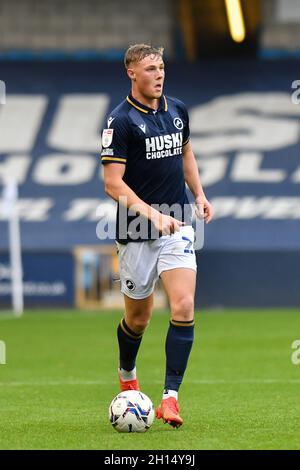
x=131 y=411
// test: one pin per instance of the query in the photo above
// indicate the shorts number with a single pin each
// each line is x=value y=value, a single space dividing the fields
x=188 y=245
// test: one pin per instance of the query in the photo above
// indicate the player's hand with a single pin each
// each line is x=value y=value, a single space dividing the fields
x=166 y=224
x=204 y=209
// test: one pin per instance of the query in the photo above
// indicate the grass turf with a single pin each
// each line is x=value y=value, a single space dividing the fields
x=241 y=390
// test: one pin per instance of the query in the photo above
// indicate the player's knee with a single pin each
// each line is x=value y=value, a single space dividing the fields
x=183 y=309
x=139 y=324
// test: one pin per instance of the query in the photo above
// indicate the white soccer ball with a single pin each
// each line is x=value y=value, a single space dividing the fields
x=131 y=411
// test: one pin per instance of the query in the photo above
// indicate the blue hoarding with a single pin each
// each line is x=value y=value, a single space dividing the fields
x=48 y=279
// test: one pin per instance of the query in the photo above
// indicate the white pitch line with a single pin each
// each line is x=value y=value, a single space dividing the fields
x=58 y=383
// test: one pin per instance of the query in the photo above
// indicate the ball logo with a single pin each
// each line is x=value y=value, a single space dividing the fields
x=178 y=123
x=130 y=284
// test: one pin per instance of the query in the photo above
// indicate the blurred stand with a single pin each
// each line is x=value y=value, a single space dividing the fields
x=62 y=63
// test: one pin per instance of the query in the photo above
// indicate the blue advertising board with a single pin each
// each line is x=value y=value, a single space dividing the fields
x=48 y=279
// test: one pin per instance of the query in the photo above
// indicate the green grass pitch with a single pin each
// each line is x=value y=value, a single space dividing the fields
x=241 y=390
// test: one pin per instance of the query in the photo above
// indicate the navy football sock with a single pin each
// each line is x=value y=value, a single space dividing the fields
x=129 y=343
x=179 y=343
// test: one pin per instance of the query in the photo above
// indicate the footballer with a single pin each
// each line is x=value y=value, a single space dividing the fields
x=148 y=160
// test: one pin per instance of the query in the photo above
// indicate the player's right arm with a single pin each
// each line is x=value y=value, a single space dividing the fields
x=117 y=189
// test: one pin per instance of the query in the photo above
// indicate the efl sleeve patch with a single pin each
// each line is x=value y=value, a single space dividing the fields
x=115 y=140
x=107 y=137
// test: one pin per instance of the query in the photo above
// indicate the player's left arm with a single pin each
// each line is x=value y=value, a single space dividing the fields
x=192 y=178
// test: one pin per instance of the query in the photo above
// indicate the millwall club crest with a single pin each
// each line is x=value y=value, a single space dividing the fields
x=107 y=137
x=130 y=284
x=178 y=123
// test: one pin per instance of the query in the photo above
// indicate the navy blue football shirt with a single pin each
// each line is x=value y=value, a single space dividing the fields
x=150 y=144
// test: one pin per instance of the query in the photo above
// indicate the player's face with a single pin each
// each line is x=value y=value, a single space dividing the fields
x=149 y=75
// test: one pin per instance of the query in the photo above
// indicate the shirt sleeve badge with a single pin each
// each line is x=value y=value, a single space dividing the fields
x=107 y=137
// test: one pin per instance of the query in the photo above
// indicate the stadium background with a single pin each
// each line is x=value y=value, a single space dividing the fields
x=62 y=65
x=61 y=62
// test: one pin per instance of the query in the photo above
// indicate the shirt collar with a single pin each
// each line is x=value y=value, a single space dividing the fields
x=163 y=105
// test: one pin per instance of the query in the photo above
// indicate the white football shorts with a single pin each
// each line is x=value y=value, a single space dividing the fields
x=141 y=263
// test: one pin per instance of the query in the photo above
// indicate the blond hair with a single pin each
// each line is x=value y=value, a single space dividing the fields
x=138 y=52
